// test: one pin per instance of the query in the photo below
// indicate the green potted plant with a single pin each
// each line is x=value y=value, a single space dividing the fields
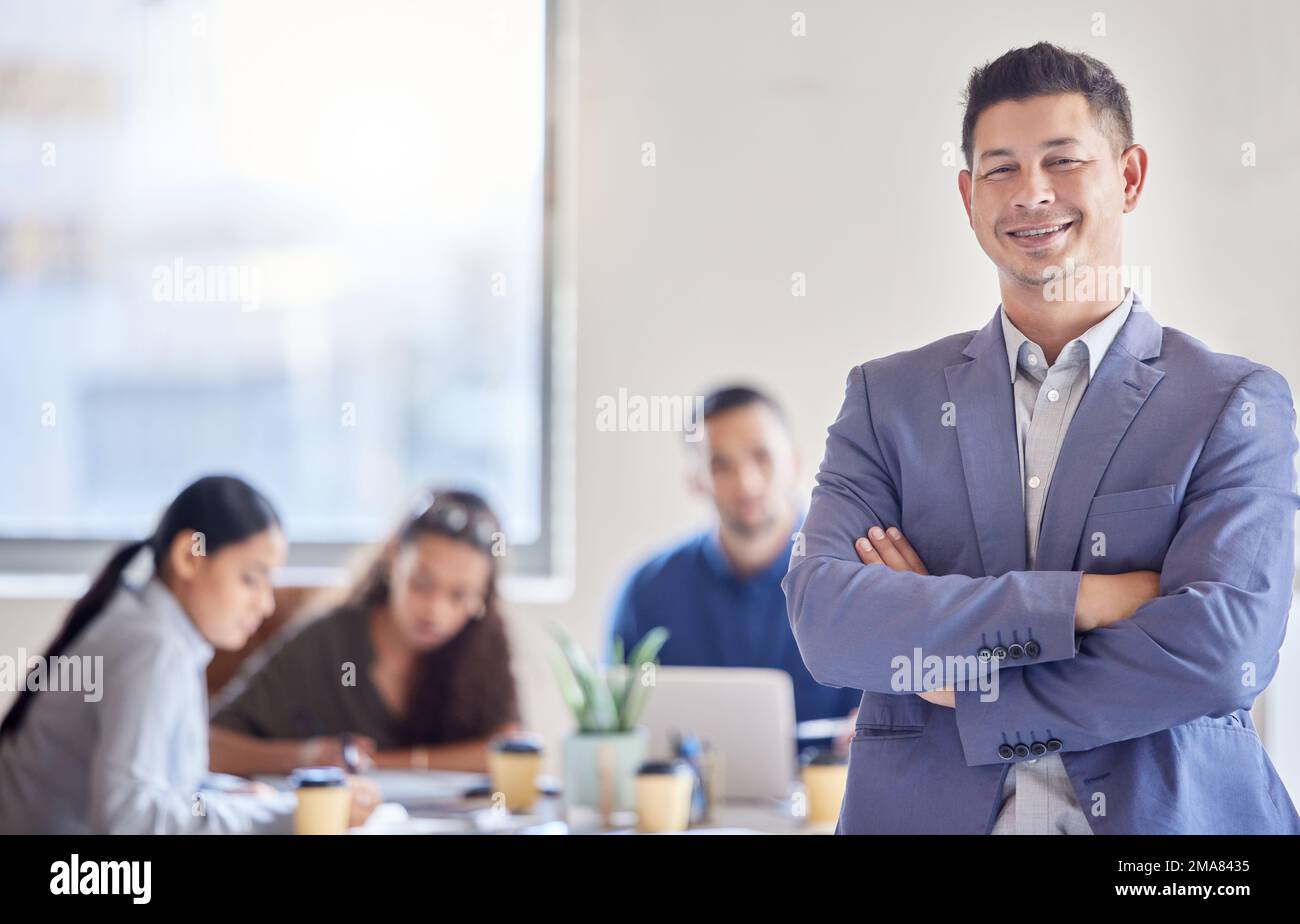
x=602 y=755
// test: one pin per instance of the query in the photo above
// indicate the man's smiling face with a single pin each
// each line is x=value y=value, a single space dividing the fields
x=1046 y=186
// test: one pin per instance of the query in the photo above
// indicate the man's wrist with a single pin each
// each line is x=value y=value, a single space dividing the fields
x=1084 y=617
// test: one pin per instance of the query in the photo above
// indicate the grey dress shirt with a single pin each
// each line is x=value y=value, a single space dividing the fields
x=136 y=760
x=1037 y=796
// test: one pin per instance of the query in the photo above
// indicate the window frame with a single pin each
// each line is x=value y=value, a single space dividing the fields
x=50 y=567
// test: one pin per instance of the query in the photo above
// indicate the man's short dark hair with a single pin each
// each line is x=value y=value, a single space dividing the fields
x=731 y=397
x=1045 y=69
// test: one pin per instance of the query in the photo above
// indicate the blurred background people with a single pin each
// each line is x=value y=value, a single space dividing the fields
x=413 y=668
x=719 y=591
x=133 y=758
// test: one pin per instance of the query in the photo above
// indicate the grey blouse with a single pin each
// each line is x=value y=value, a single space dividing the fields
x=134 y=761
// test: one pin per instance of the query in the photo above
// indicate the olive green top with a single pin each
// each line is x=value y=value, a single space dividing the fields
x=313 y=679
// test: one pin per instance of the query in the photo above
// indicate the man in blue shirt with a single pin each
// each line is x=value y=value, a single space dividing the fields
x=719 y=592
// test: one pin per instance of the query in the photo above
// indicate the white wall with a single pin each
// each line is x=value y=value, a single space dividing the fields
x=822 y=155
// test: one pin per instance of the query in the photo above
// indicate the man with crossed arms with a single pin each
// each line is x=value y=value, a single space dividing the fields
x=1134 y=611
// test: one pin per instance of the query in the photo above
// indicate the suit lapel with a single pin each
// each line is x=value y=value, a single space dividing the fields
x=980 y=391
x=1112 y=399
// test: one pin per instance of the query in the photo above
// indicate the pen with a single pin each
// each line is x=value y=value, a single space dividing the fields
x=351 y=756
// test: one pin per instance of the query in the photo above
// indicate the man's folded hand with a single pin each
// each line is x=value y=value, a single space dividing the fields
x=890 y=547
x=1104 y=599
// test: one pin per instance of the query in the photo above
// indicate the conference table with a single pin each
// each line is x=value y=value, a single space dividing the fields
x=449 y=802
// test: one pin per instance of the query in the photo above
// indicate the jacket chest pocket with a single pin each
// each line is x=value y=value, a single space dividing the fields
x=1129 y=530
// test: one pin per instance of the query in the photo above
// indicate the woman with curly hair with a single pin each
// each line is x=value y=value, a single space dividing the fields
x=413 y=668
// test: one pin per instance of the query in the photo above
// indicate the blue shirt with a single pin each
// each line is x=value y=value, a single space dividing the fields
x=718 y=619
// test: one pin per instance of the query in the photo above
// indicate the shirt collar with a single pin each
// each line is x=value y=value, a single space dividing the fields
x=159 y=599
x=715 y=556
x=1096 y=339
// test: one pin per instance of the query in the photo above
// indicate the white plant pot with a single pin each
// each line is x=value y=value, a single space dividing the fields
x=600 y=764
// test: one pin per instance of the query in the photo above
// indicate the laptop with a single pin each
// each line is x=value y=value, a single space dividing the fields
x=744 y=714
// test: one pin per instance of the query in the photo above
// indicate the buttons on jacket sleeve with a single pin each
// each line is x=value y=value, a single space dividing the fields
x=1013 y=651
x=1035 y=749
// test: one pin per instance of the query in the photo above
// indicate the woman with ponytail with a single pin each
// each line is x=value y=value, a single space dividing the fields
x=413 y=668
x=134 y=757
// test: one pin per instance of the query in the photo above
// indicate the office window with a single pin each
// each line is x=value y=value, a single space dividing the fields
x=302 y=242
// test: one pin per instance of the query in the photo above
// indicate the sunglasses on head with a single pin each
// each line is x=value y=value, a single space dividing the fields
x=458 y=518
